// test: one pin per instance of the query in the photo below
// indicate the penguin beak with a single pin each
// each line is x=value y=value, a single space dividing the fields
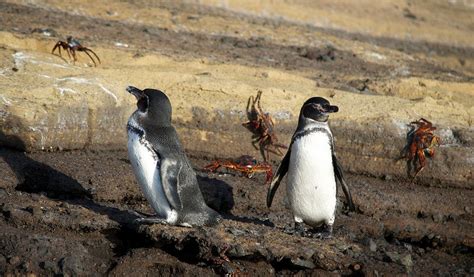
x=139 y=94
x=142 y=98
x=332 y=109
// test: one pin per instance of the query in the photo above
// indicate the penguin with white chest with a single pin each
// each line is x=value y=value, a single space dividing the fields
x=312 y=170
x=161 y=167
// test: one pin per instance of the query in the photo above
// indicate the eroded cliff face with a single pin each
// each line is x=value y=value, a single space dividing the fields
x=383 y=64
x=210 y=60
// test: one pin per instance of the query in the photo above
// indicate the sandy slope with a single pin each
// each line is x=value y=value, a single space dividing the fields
x=384 y=63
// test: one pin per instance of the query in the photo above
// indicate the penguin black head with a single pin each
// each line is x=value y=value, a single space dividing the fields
x=318 y=109
x=153 y=106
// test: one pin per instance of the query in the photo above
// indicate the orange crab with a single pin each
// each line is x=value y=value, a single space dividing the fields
x=421 y=143
x=247 y=165
x=262 y=126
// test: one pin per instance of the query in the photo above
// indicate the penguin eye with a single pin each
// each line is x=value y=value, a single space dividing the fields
x=142 y=104
x=318 y=107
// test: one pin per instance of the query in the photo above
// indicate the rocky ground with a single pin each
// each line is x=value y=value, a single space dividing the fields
x=67 y=210
x=68 y=213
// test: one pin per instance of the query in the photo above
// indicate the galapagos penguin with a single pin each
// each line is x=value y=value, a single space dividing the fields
x=313 y=170
x=161 y=166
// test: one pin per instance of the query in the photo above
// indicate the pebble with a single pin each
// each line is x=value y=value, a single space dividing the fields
x=342 y=246
x=26 y=265
x=236 y=232
x=48 y=266
x=421 y=214
x=303 y=263
x=392 y=256
x=237 y=251
x=438 y=218
x=410 y=229
x=372 y=245
x=3 y=261
x=407 y=261
x=308 y=252
x=14 y=260
x=34 y=210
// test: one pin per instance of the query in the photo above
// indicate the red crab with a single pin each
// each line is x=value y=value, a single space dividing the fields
x=421 y=143
x=262 y=126
x=247 y=165
x=71 y=45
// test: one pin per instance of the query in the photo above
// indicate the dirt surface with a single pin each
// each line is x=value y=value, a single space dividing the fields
x=384 y=64
x=68 y=213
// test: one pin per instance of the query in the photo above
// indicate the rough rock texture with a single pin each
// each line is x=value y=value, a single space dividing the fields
x=47 y=103
x=69 y=213
x=384 y=64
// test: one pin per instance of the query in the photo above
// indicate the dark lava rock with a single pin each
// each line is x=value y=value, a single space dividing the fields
x=71 y=265
x=49 y=266
x=237 y=252
x=326 y=54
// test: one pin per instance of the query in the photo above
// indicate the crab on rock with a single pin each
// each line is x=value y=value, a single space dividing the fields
x=421 y=141
x=71 y=45
x=262 y=126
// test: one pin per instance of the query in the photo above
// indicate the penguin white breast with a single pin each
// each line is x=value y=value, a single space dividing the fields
x=145 y=164
x=311 y=184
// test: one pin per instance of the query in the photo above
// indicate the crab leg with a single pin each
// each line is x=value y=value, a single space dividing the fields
x=85 y=51
x=89 y=50
x=67 y=51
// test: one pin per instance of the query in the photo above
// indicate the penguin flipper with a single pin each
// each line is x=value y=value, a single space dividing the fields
x=280 y=173
x=340 y=178
x=170 y=169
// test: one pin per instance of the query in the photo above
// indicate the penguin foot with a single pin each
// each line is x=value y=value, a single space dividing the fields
x=150 y=220
x=325 y=232
x=298 y=229
x=142 y=218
